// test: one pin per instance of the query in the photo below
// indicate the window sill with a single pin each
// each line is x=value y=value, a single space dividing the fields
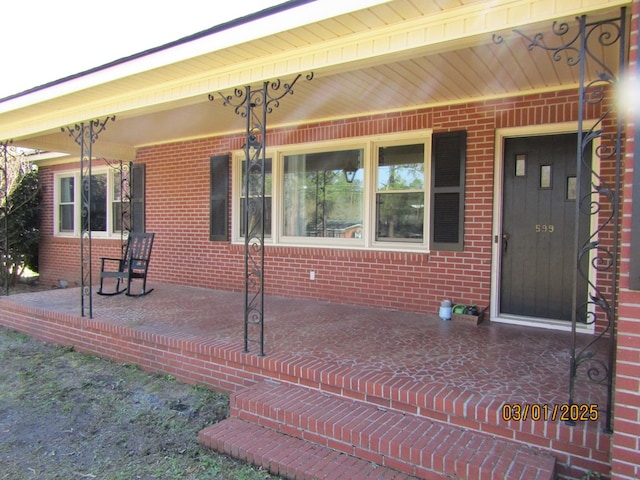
x=94 y=236
x=395 y=248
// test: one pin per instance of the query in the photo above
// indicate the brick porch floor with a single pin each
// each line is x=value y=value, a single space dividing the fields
x=411 y=364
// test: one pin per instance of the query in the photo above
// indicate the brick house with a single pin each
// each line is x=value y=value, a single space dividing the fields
x=460 y=144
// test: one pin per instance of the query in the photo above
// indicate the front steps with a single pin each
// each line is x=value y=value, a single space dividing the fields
x=287 y=456
x=299 y=433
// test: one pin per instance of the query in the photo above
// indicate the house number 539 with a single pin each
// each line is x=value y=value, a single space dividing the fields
x=541 y=228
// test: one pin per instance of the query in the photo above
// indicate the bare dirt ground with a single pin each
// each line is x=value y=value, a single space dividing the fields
x=66 y=415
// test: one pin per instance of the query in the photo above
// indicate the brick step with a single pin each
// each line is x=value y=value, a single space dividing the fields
x=578 y=448
x=407 y=443
x=287 y=456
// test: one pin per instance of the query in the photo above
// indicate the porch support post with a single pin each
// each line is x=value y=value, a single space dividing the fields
x=594 y=362
x=598 y=248
x=85 y=135
x=253 y=104
x=254 y=216
x=4 y=212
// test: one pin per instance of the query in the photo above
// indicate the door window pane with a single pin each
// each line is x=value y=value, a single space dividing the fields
x=545 y=176
x=323 y=194
x=521 y=166
x=571 y=188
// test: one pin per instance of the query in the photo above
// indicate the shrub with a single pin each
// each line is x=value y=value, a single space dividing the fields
x=19 y=221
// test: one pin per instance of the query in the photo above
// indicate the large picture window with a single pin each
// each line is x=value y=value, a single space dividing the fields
x=376 y=192
x=323 y=194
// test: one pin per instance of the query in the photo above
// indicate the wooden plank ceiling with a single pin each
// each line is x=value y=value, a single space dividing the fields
x=354 y=75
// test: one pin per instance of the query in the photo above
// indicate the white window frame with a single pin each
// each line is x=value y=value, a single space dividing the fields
x=360 y=243
x=236 y=187
x=404 y=243
x=369 y=145
x=58 y=204
x=77 y=201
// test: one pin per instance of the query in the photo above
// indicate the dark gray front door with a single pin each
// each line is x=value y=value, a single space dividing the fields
x=537 y=271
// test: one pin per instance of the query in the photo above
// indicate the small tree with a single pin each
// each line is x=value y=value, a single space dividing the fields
x=19 y=216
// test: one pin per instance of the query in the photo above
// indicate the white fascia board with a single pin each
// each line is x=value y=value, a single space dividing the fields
x=315 y=11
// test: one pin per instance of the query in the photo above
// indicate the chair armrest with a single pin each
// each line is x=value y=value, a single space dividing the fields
x=103 y=260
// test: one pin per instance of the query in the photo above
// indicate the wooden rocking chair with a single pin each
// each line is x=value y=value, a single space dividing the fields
x=133 y=264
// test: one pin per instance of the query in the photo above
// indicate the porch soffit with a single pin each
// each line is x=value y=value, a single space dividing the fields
x=391 y=56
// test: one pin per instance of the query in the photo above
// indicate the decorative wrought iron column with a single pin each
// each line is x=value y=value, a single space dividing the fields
x=589 y=47
x=4 y=213
x=253 y=104
x=85 y=135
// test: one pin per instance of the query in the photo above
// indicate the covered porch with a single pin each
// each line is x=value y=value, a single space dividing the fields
x=383 y=68
x=412 y=364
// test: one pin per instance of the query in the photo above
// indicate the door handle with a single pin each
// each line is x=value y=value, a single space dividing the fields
x=505 y=242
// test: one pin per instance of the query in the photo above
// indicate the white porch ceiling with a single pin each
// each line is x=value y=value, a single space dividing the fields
x=398 y=55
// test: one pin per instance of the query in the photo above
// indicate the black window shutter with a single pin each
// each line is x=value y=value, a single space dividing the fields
x=219 y=208
x=137 y=198
x=448 y=155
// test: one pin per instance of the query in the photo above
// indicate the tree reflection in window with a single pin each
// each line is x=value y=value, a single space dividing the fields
x=400 y=193
x=323 y=194
x=98 y=203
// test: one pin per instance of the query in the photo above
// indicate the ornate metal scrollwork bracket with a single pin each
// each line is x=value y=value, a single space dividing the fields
x=85 y=135
x=584 y=47
x=254 y=104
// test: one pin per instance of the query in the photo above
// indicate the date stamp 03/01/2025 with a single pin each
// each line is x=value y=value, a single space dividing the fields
x=564 y=412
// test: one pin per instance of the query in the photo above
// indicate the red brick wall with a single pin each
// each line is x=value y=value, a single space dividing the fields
x=626 y=439
x=177 y=208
